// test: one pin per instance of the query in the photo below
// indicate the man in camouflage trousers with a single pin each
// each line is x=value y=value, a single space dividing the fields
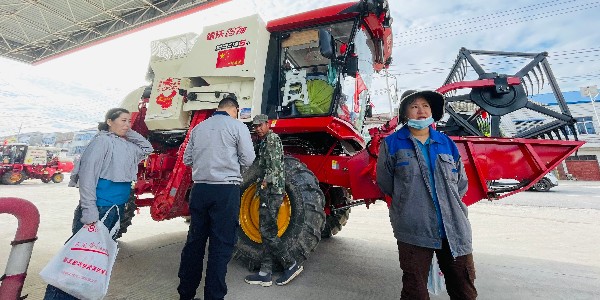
x=271 y=188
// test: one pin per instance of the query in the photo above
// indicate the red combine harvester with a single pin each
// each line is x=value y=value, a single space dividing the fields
x=311 y=74
x=19 y=162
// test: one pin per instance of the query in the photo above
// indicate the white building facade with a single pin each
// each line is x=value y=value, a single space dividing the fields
x=80 y=141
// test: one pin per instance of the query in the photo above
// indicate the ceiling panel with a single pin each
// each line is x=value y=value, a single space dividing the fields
x=36 y=31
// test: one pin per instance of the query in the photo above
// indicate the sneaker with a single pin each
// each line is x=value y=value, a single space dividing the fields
x=257 y=279
x=289 y=274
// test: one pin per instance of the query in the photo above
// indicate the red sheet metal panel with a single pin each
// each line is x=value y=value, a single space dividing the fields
x=320 y=16
x=485 y=159
x=524 y=160
x=337 y=128
x=170 y=201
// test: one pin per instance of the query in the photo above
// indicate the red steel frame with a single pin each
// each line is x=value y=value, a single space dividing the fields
x=168 y=179
x=525 y=160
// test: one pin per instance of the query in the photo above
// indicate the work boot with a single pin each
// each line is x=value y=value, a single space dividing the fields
x=289 y=274
x=258 y=279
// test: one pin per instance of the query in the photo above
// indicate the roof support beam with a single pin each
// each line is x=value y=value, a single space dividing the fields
x=35 y=30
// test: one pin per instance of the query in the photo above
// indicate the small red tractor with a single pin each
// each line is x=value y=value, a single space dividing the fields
x=19 y=162
x=311 y=74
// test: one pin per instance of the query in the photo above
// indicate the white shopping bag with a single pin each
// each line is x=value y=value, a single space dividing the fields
x=82 y=267
x=435 y=283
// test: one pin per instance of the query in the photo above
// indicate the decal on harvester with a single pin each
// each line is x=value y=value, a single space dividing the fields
x=235 y=44
x=170 y=86
x=226 y=33
x=231 y=57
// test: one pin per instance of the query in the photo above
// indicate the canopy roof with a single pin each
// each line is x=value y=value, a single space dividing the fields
x=33 y=31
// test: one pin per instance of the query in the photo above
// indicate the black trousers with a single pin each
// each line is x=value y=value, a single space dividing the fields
x=459 y=272
x=214 y=212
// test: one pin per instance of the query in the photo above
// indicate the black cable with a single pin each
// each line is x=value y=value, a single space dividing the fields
x=541 y=14
x=556 y=61
x=498 y=24
x=479 y=18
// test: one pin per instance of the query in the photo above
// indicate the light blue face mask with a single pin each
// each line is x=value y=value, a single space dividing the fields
x=420 y=124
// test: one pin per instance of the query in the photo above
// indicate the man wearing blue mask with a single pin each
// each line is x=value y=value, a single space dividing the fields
x=421 y=169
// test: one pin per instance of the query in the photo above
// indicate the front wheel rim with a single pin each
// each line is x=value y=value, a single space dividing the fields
x=15 y=177
x=249 y=216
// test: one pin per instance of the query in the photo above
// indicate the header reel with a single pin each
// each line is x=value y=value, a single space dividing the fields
x=495 y=95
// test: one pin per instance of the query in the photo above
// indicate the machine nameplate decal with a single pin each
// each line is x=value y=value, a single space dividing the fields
x=226 y=33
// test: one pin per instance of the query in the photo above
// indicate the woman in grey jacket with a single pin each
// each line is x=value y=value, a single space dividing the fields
x=104 y=175
x=421 y=169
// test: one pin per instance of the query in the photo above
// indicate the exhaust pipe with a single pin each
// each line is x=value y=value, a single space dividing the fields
x=28 y=217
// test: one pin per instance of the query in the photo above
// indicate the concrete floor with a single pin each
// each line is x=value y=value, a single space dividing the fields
x=529 y=246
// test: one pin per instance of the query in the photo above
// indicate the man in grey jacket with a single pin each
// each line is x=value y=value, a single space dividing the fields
x=421 y=169
x=218 y=149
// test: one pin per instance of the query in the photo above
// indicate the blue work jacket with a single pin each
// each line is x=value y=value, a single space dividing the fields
x=402 y=173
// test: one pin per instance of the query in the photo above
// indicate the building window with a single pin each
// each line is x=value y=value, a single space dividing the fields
x=585 y=125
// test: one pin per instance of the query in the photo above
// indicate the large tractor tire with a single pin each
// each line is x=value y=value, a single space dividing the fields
x=13 y=177
x=337 y=196
x=127 y=216
x=58 y=177
x=300 y=221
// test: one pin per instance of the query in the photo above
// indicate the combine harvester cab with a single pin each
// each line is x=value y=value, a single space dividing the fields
x=311 y=74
